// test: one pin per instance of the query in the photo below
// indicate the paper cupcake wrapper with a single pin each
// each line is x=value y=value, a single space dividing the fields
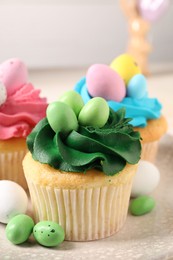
x=149 y=151
x=11 y=167
x=85 y=214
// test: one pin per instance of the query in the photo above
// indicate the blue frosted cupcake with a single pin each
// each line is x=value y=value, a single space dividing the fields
x=123 y=86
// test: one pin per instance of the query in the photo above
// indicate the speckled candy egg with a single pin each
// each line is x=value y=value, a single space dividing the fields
x=48 y=233
x=13 y=200
x=104 y=82
x=146 y=179
x=3 y=93
x=125 y=66
x=13 y=74
x=137 y=87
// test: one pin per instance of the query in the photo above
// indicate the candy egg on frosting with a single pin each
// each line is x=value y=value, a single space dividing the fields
x=61 y=117
x=3 y=93
x=95 y=113
x=73 y=99
x=137 y=86
x=13 y=74
x=146 y=179
x=125 y=66
x=13 y=200
x=104 y=82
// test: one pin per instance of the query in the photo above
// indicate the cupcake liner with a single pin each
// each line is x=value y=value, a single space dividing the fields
x=149 y=151
x=85 y=214
x=11 y=167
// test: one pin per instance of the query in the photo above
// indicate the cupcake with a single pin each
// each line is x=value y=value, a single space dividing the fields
x=123 y=85
x=21 y=108
x=80 y=167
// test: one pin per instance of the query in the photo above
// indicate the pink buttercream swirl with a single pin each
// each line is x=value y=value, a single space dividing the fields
x=22 y=110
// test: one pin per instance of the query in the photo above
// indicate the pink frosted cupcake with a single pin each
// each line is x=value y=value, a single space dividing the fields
x=21 y=108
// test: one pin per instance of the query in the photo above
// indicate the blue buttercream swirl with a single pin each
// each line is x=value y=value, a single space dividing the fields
x=140 y=110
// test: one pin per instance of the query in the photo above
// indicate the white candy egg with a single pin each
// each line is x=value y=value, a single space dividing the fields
x=13 y=200
x=3 y=93
x=146 y=179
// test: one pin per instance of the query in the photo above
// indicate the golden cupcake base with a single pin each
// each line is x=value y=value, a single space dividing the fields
x=151 y=135
x=149 y=151
x=12 y=153
x=96 y=208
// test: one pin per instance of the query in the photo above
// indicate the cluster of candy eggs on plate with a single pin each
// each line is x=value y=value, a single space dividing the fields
x=121 y=79
x=46 y=233
x=13 y=208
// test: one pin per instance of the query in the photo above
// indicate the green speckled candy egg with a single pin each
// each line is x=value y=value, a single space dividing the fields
x=95 y=113
x=142 y=205
x=61 y=117
x=48 y=233
x=74 y=100
x=19 y=228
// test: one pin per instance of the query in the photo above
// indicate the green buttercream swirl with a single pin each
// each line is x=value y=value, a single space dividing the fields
x=108 y=148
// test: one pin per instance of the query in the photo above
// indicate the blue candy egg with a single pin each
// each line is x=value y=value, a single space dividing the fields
x=137 y=87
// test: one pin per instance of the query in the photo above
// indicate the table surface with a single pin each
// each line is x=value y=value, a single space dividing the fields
x=149 y=237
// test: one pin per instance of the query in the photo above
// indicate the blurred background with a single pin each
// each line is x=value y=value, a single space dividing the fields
x=76 y=33
x=59 y=39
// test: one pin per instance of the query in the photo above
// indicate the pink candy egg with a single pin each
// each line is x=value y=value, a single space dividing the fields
x=13 y=74
x=3 y=93
x=102 y=81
